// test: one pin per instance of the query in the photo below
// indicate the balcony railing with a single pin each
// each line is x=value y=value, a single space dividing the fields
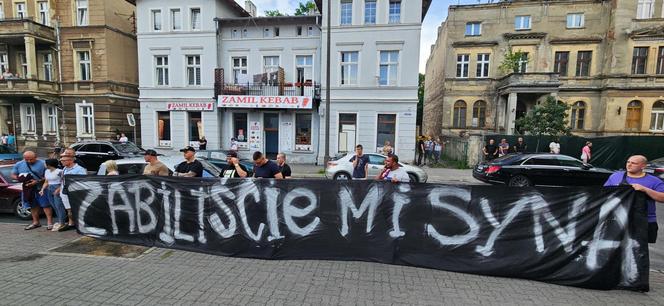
x=26 y=26
x=25 y=87
x=272 y=89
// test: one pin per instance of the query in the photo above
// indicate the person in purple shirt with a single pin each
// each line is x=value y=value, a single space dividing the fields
x=641 y=181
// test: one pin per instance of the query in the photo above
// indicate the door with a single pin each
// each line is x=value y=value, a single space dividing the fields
x=271 y=129
x=543 y=170
x=347 y=132
x=376 y=165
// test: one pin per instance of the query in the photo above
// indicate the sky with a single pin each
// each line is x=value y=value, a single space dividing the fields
x=436 y=14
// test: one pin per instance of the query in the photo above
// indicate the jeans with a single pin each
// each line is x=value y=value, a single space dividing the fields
x=56 y=203
x=436 y=156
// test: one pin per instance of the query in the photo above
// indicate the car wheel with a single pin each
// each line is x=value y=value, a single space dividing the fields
x=20 y=212
x=413 y=178
x=342 y=176
x=519 y=181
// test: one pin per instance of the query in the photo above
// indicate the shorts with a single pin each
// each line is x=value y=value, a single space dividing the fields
x=65 y=201
x=652 y=232
x=42 y=201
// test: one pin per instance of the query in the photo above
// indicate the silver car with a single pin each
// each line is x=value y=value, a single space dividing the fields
x=136 y=166
x=342 y=168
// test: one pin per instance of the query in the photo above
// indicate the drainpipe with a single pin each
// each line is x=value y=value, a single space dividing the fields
x=62 y=100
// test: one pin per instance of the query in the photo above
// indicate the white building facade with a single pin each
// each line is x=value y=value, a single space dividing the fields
x=375 y=48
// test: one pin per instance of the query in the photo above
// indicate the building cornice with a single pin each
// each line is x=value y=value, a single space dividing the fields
x=533 y=35
x=575 y=40
x=458 y=44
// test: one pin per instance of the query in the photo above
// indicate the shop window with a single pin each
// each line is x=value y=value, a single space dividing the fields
x=240 y=127
x=195 y=128
x=303 y=132
x=386 y=130
x=164 y=129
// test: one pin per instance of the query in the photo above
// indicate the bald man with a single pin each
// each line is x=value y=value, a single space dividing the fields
x=31 y=171
x=641 y=181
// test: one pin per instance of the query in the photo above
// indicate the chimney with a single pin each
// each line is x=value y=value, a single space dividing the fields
x=250 y=7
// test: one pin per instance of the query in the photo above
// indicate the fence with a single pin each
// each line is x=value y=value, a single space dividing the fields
x=456 y=148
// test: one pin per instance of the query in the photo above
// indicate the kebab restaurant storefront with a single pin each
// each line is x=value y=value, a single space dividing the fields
x=271 y=124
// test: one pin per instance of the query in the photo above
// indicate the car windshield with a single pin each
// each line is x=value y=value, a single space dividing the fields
x=128 y=147
x=6 y=173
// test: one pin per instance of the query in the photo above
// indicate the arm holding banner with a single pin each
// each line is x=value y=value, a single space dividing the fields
x=653 y=194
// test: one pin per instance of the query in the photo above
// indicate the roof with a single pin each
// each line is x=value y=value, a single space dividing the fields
x=425 y=6
x=231 y=3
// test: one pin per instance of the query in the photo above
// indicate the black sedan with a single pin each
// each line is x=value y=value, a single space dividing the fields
x=218 y=158
x=656 y=167
x=541 y=170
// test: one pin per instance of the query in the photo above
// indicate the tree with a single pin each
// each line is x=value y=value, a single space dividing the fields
x=513 y=61
x=304 y=8
x=273 y=13
x=548 y=118
x=420 y=100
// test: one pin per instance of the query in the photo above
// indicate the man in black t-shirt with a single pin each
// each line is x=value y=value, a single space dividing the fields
x=284 y=168
x=490 y=150
x=265 y=168
x=234 y=169
x=360 y=163
x=190 y=167
x=520 y=146
x=420 y=150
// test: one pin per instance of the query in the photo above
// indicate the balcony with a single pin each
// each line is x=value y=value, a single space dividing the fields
x=16 y=29
x=306 y=89
x=24 y=87
x=533 y=82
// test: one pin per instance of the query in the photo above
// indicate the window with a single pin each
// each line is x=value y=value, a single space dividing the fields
x=479 y=114
x=267 y=32
x=310 y=31
x=245 y=33
x=575 y=21
x=377 y=159
x=660 y=61
x=85 y=119
x=240 y=126
x=84 y=73
x=195 y=19
x=21 y=13
x=522 y=23
x=304 y=65
x=276 y=31
x=561 y=62
x=164 y=129
x=156 y=20
x=386 y=130
x=347 y=132
x=482 y=66
x=4 y=62
x=298 y=31
x=82 y=12
x=235 y=34
x=568 y=162
x=583 y=60
x=459 y=116
x=346 y=12
x=193 y=70
x=645 y=9
x=195 y=126
x=578 y=115
x=50 y=119
x=389 y=66
x=370 y=12
x=633 y=115
x=395 y=11
x=240 y=70
x=43 y=12
x=271 y=68
x=48 y=66
x=23 y=61
x=28 y=119
x=2 y=15
x=473 y=29
x=176 y=20
x=543 y=161
x=463 y=61
x=161 y=70
x=523 y=63
x=349 y=64
x=303 y=132
x=657 y=116
x=639 y=60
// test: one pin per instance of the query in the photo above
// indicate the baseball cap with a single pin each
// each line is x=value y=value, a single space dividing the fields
x=150 y=152
x=232 y=154
x=188 y=148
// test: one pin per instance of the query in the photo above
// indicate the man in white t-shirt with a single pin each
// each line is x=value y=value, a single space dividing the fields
x=393 y=171
x=554 y=147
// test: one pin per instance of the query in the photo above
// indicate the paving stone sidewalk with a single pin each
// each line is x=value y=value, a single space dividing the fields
x=31 y=275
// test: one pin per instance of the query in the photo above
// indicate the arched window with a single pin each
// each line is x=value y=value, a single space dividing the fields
x=578 y=115
x=657 y=116
x=634 y=115
x=459 y=114
x=479 y=114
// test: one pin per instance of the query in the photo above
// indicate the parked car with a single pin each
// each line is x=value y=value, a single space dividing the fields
x=10 y=194
x=94 y=153
x=218 y=158
x=136 y=166
x=541 y=170
x=656 y=167
x=8 y=154
x=341 y=168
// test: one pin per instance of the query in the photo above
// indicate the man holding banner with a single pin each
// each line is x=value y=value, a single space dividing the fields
x=393 y=172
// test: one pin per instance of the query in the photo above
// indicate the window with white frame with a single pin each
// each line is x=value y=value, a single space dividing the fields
x=346 y=12
x=4 y=62
x=349 y=66
x=304 y=65
x=482 y=65
x=50 y=119
x=310 y=31
x=240 y=70
x=195 y=19
x=43 y=12
x=523 y=63
x=473 y=29
x=48 y=66
x=303 y=132
x=522 y=23
x=161 y=70
x=271 y=68
x=85 y=119
x=84 y=65
x=395 y=11
x=28 y=119
x=267 y=32
x=575 y=20
x=463 y=61
x=370 y=12
x=193 y=70
x=657 y=117
x=388 y=68
x=2 y=11
x=245 y=33
x=235 y=33
x=82 y=12
x=23 y=61
x=176 y=19
x=156 y=20
x=645 y=9
x=21 y=13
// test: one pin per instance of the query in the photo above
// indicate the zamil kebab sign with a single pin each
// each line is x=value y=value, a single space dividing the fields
x=190 y=106
x=238 y=101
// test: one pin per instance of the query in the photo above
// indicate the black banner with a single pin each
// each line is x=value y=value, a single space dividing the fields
x=593 y=238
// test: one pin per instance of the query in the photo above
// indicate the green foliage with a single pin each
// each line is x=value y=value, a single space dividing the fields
x=548 y=118
x=511 y=61
x=420 y=99
x=273 y=13
x=304 y=8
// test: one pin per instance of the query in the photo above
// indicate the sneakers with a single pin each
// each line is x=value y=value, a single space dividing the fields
x=66 y=227
x=56 y=227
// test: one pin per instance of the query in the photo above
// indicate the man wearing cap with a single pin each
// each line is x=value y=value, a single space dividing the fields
x=190 y=167
x=234 y=169
x=154 y=167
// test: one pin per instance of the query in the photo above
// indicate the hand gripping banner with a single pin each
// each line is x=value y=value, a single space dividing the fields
x=585 y=237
